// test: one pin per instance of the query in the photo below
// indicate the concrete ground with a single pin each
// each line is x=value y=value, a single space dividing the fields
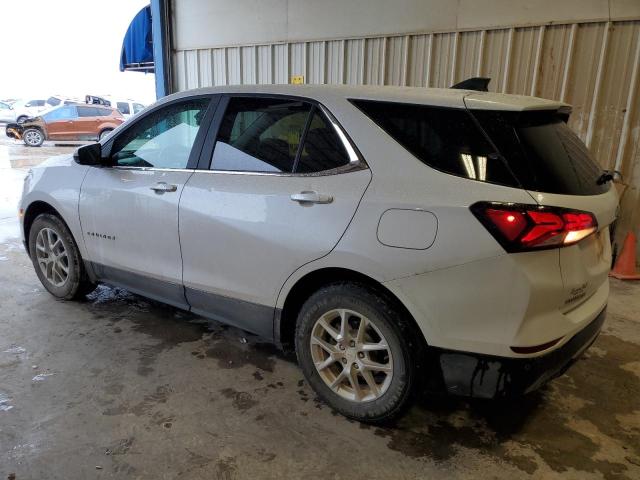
x=121 y=387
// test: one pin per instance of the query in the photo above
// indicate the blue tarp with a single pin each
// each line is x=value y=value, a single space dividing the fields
x=137 y=46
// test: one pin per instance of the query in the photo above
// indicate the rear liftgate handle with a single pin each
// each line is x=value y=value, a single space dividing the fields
x=311 y=197
x=162 y=187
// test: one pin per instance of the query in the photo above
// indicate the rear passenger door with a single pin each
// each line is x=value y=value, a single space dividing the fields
x=87 y=123
x=277 y=185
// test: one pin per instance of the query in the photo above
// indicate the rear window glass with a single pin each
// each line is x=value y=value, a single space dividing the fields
x=447 y=139
x=543 y=152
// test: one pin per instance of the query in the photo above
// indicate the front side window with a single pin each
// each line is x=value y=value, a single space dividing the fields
x=446 y=139
x=61 y=113
x=123 y=107
x=278 y=136
x=162 y=139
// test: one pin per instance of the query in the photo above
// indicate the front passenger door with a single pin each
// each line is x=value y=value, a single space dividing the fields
x=129 y=212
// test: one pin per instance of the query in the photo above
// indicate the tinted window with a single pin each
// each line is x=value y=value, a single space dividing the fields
x=543 y=152
x=123 y=107
x=447 y=139
x=322 y=148
x=61 y=113
x=162 y=139
x=87 y=112
x=260 y=135
x=36 y=103
x=53 y=101
x=137 y=107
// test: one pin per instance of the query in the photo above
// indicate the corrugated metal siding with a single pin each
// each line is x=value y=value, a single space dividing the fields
x=593 y=66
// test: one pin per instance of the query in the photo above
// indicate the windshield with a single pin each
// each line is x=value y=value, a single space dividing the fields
x=542 y=151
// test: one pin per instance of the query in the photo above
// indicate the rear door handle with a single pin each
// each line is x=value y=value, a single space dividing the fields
x=162 y=187
x=311 y=197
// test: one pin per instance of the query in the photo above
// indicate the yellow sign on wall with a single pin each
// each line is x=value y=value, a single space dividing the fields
x=297 y=79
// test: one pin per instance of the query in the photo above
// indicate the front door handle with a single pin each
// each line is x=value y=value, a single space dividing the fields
x=311 y=197
x=162 y=187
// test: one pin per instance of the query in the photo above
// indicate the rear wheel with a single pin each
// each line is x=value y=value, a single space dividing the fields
x=33 y=137
x=56 y=258
x=354 y=350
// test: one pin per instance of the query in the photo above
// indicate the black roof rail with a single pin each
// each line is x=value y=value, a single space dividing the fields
x=480 y=84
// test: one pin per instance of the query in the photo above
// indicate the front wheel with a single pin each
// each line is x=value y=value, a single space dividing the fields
x=56 y=258
x=33 y=137
x=355 y=351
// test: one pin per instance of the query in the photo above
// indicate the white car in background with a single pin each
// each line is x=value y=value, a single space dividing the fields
x=7 y=113
x=24 y=109
x=128 y=108
x=394 y=236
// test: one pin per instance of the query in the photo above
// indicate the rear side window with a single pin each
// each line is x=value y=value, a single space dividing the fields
x=322 y=149
x=447 y=139
x=260 y=135
x=277 y=135
x=137 y=107
x=543 y=152
x=87 y=112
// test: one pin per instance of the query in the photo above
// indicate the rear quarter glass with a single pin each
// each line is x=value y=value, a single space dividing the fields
x=542 y=151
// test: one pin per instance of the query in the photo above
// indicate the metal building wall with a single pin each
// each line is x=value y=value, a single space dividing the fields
x=592 y=65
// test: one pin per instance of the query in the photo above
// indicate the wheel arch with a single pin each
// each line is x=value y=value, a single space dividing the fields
x=285 y=324
x=35 y=208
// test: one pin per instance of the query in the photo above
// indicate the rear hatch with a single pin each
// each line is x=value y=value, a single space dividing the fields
x=549 y=161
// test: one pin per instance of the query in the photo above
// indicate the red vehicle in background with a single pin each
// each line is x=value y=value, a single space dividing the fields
x=67 y=122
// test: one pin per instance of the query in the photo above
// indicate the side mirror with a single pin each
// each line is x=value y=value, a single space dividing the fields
x=89 y=155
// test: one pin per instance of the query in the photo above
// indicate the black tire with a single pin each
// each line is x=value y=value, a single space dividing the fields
x=33 y=137
x=392 y=326
x=104 y=133
x=77 y=283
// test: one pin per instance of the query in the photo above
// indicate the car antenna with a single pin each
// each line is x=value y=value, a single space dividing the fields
x=480 y=84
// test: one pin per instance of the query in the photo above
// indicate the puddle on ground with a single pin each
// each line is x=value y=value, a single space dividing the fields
x=564 y=424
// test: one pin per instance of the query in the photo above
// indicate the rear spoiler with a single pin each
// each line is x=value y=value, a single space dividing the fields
x=479 y=84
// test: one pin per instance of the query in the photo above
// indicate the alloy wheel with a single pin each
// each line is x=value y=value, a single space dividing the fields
x=52 y=257
x=351 y=355
x=33 y=137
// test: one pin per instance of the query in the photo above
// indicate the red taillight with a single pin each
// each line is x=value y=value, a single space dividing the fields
x=528 y=227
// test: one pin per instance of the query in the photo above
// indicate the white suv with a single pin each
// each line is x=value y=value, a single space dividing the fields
x=393 y=236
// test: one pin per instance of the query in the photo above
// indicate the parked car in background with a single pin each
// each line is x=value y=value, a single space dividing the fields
x=128 y=108
x=395 y=236
x=29 y=108
x=67 y=122
x=57 y=100
x=7 y=113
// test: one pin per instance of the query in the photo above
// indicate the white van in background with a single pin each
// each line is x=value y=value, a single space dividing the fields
x=128 y=108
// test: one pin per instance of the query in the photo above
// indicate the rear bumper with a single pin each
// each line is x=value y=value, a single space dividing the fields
x=488 y=376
